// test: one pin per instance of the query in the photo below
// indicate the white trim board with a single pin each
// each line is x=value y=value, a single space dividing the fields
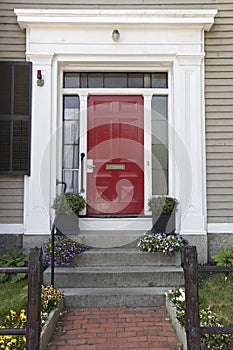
x=11 y=228
x=203 y=18
x=220 y=228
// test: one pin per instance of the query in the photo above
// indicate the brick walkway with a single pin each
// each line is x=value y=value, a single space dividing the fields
x=116 y=328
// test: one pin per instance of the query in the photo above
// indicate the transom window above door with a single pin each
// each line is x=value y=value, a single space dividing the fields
x=158 y=80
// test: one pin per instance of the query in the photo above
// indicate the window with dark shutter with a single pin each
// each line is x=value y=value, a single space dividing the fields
x=15 y=117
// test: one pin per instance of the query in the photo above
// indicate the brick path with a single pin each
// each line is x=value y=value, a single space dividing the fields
x=115 y=328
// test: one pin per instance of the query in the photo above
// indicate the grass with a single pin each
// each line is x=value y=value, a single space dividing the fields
x=217 y=294
x=13 y=296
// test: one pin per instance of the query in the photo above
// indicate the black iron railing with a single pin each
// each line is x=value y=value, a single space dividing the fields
x=33 y=326
x=191 y=272
x=54 y=229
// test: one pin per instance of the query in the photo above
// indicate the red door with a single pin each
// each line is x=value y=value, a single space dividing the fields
x=115 y=155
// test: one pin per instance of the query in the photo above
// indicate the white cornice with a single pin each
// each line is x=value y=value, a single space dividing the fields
x=50 y=17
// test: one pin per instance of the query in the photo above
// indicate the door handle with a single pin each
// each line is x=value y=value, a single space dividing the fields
x=82 y=189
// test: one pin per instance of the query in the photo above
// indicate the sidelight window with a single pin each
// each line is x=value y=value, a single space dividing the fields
x=71 y=113
x=159 y=140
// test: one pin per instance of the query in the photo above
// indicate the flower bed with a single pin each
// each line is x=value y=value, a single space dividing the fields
x=50 y=325
x=161 y=242
x=66 y=250
x=175 y=303
x=51 y=300
x=178 y=327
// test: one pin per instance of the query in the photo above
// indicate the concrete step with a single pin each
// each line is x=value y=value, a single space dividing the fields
x=111 y=238
x=116 y=276
x=125 y=256
x=115 y=297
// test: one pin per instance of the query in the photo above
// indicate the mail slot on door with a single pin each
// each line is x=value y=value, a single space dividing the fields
x=115 y=166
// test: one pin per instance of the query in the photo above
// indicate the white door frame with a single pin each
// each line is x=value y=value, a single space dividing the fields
x=147 y=96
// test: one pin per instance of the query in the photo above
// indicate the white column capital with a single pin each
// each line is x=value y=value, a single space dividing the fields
x=40 y=59
x=190 y=59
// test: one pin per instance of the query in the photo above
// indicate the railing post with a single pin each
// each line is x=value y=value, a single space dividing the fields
x=191 y=296
x=33 y=327
x=52 y=255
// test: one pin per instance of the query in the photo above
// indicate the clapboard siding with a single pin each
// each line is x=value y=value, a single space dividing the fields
x=219 y=81
x=11 y=199
x=219 y=116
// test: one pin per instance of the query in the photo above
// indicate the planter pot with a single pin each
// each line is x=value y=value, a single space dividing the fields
x=180 y=331
x=163 y=223
x=67 y=224
x=50 y=325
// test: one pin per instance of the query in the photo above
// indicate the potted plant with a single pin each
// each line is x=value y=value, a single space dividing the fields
x=163 y=213
x=67 y=208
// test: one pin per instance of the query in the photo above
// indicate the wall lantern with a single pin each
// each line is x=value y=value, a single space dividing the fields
x=115 y=35
x=40 y=81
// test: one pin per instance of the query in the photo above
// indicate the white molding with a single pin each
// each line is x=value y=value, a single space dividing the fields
x=100 y=224
x=201 y=18
x=220 y=228
x=11 y=228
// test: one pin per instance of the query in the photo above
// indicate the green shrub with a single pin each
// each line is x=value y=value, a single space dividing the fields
x=14 y=258
x=224 y=258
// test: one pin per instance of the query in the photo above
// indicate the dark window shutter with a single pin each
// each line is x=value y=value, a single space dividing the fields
x=15 y=117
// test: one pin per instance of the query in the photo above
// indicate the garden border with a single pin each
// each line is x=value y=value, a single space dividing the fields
x=180 y=330
x=49 y=327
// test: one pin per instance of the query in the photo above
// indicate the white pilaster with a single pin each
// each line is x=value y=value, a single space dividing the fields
x=37 y=186
x=189 y=143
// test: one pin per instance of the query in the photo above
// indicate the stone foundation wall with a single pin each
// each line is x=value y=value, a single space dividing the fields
x=217 y=242
x=10 y=241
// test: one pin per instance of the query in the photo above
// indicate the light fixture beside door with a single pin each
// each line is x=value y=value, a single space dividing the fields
x=115 y=35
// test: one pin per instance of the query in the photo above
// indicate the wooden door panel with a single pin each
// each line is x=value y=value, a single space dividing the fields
x=115 y=143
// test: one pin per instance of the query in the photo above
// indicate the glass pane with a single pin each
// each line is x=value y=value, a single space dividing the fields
x=159 y=181
x=95 y=80
x=71 y=132
x=71 y=80
x=71 y=179
x=71 y=157
x=135 y=80
x=83 y=80
x=115 y=80
x=71 y=107
x=159 y=108
x=159 y=80
x=159 y=157
x=147 y=80
x=159 y=145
